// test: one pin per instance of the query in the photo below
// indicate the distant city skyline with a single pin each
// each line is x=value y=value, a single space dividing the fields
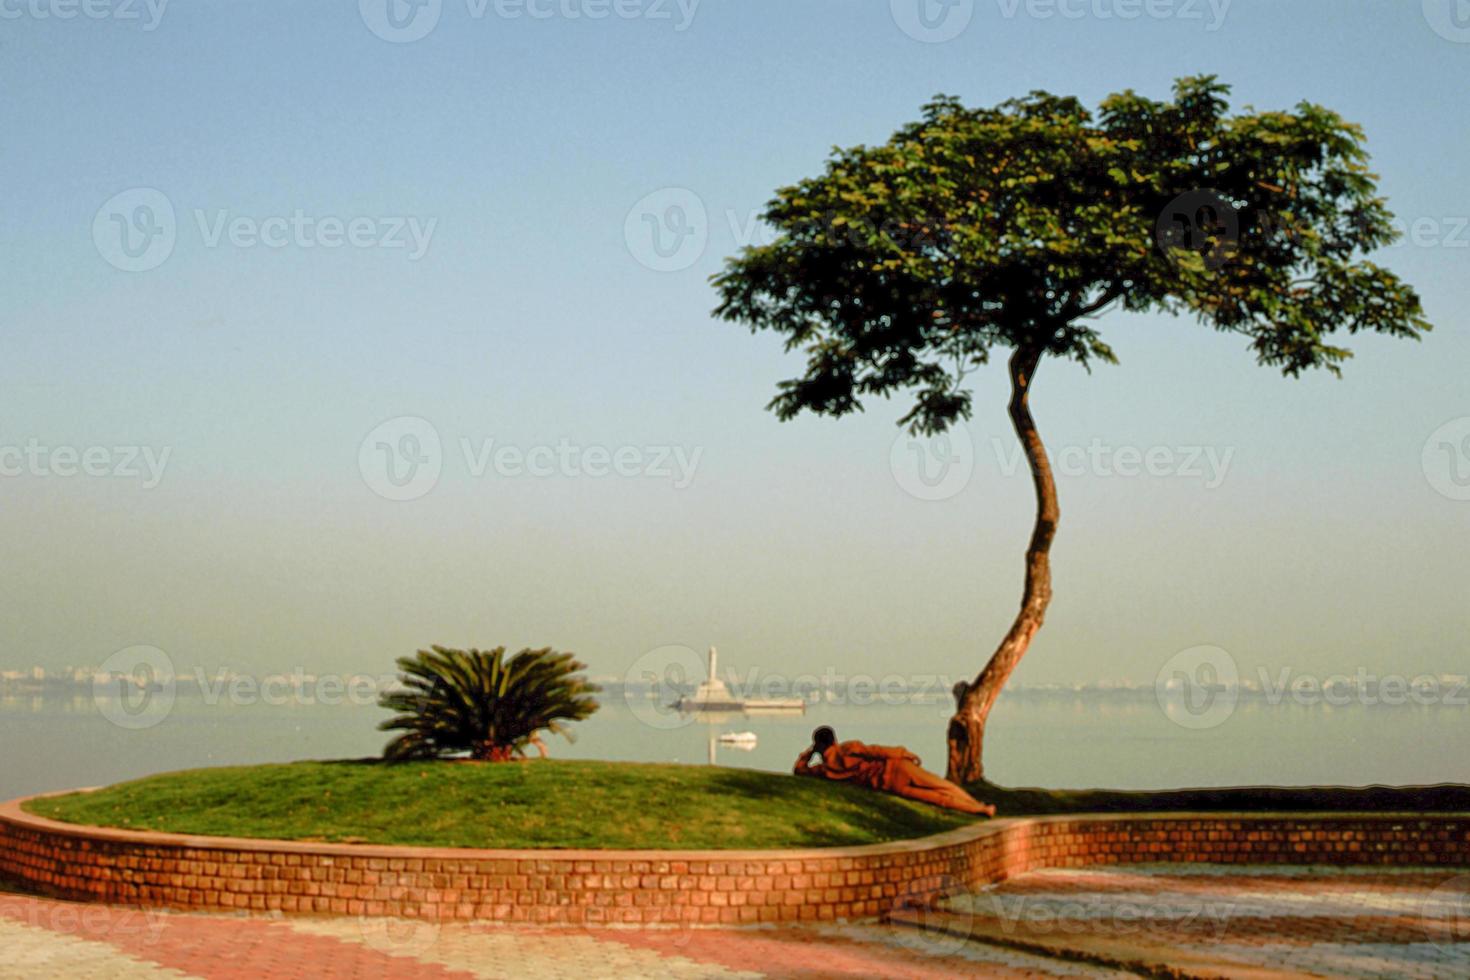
x=1447 y=689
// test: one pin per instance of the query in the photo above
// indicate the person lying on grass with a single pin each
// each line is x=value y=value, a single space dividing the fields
x=889 y=770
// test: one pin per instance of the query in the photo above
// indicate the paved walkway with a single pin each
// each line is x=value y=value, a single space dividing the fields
x=42 y=939
x=1197 y=921
x=1235 y=922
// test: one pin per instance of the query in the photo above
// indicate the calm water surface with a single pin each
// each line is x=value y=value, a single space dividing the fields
x=51 y=745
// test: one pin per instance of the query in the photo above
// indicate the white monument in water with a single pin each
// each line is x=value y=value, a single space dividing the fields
x=713 y=695
x=713 y=689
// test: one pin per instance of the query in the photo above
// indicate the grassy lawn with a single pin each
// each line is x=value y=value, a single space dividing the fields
x=528 y=805
x=612 y=805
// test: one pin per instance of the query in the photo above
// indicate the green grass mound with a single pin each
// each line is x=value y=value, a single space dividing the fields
x=542 y=804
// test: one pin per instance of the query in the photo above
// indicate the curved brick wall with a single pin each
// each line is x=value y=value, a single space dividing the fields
x=652 y=887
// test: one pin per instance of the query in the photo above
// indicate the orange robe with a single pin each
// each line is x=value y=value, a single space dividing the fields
x=889 y=770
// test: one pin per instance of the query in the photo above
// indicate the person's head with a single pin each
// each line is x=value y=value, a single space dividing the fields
x=823 y=739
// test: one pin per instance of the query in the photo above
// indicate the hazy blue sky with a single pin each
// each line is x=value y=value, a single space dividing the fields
x=519 y=146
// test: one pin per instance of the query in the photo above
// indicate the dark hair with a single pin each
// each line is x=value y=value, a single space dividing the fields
x=823 y=737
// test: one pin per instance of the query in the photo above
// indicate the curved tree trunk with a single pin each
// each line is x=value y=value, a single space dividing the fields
x=974 y=701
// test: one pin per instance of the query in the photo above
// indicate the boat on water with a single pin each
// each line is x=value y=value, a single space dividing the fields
x=740 y=739
x=713 y=695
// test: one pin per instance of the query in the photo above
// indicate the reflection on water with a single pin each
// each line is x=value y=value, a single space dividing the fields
x=48 y=744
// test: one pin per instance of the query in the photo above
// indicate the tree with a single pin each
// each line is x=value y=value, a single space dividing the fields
x=904 y=266
x=480 y=702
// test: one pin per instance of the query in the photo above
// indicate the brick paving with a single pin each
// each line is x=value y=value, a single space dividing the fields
x=42 y=938
x=1231 y=921
x=1204 y=921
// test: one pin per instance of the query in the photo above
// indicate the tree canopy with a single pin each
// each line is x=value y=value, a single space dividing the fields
x=904 y=265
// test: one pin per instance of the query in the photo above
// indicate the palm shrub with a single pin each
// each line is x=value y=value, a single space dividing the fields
x=482 y=702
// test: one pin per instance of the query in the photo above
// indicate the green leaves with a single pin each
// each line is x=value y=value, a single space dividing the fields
x=483 y=703
x=902 y=265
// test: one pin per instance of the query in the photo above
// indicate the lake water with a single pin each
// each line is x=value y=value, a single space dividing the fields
x=52 y=744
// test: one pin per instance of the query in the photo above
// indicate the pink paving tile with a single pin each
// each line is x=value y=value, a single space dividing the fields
x=801 y=954
x=219 y=948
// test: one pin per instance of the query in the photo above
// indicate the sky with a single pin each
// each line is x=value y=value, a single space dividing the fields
x=345 y=314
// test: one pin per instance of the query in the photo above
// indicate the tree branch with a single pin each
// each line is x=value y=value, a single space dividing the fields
x=1109 y=295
